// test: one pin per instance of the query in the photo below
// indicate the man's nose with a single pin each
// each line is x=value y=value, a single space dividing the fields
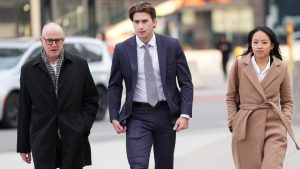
x=140 y=25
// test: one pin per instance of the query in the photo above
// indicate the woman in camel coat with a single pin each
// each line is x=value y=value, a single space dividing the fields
x=259 y=81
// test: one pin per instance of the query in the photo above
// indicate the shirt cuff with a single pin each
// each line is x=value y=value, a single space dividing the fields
x=185 y=116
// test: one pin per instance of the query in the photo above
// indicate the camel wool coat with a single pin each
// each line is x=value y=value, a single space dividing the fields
x=260 y=126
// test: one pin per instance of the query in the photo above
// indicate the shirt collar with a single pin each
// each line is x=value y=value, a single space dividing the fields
x=256 y=66
x=140 y=43
x=55 y=63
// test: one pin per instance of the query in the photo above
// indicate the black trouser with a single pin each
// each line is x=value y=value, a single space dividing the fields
x=225 y=58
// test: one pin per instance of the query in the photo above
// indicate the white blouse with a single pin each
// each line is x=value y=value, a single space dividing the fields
x=260 y=74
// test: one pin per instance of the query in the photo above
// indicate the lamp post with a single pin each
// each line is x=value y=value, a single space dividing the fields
x=290 y=40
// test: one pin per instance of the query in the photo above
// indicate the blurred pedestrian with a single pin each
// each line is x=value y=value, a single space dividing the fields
x=260 y=104
x=225 y=47
x=58 y=104
x=154 y=107
x=101 y=36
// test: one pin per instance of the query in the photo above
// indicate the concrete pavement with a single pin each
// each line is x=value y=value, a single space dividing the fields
x=208 y=149
x=195 y=149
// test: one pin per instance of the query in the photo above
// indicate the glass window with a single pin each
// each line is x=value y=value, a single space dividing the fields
x=34 y=53
x=15 y=18
x=91 y=52
x=9 y=57
x=72 y=15
x=72 y=48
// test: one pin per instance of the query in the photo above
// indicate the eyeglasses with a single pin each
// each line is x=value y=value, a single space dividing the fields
x=50 y=41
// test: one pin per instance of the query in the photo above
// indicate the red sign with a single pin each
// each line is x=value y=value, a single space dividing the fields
x=203 y=2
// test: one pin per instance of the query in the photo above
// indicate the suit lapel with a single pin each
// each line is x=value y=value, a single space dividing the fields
x=132 y=55
x=162 y=56
x=273 y=72
x=252 y=76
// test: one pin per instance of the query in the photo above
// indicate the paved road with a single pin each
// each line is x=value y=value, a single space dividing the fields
x=208 y=103
x=206 y=145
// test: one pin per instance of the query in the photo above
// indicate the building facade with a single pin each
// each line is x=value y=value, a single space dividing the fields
x=197 y=23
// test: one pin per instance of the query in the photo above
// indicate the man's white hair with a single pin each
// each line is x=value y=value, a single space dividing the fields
x=52 y=25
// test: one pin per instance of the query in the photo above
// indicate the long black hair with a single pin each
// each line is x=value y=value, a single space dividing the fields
x=275 y=51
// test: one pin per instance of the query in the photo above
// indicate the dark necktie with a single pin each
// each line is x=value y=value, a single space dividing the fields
x=152 y=95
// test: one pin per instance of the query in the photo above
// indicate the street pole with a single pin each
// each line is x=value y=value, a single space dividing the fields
x=35 y=17
x=293 y=71
x=290 y=40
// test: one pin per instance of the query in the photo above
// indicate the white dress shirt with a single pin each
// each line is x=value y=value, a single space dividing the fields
x=260 y=74
x=54 y=66
x=140 y=94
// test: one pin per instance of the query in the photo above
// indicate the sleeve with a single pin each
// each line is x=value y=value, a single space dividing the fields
x=24 y=116
x=184 y=81
x=286 y=97
x=115 y=86
x=90 y=100
x=231 y=95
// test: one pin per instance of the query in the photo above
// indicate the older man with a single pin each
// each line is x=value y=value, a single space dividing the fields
x=58 y=104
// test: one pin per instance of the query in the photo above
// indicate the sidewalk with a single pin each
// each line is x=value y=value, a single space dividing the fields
x=207 y=149
x=217 y=154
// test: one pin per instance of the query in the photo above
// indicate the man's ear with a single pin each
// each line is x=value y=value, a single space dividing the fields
x=155 y=22
x=41 y=39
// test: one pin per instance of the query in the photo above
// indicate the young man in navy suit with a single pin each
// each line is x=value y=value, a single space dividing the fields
x=154 y=109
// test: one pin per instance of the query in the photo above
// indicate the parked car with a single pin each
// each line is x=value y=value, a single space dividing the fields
x=14 y=53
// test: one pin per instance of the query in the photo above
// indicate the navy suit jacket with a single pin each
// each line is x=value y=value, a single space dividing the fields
x=173 y=69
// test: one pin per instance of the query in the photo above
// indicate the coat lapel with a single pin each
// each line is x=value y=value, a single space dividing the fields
x=39 y=64
x=273 y=72
x=251 y=75
x=132 y=55
x=162 y=56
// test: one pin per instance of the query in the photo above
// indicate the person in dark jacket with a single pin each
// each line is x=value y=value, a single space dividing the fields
x=225 y=47
x=58 y=105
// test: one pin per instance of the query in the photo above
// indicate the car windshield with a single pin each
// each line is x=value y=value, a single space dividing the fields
x=9 y=57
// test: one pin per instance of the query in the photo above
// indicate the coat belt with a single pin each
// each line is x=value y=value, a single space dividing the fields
x=266 y=105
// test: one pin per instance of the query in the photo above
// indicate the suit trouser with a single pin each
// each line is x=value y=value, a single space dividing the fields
x=265 y=145
x=146 y=127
